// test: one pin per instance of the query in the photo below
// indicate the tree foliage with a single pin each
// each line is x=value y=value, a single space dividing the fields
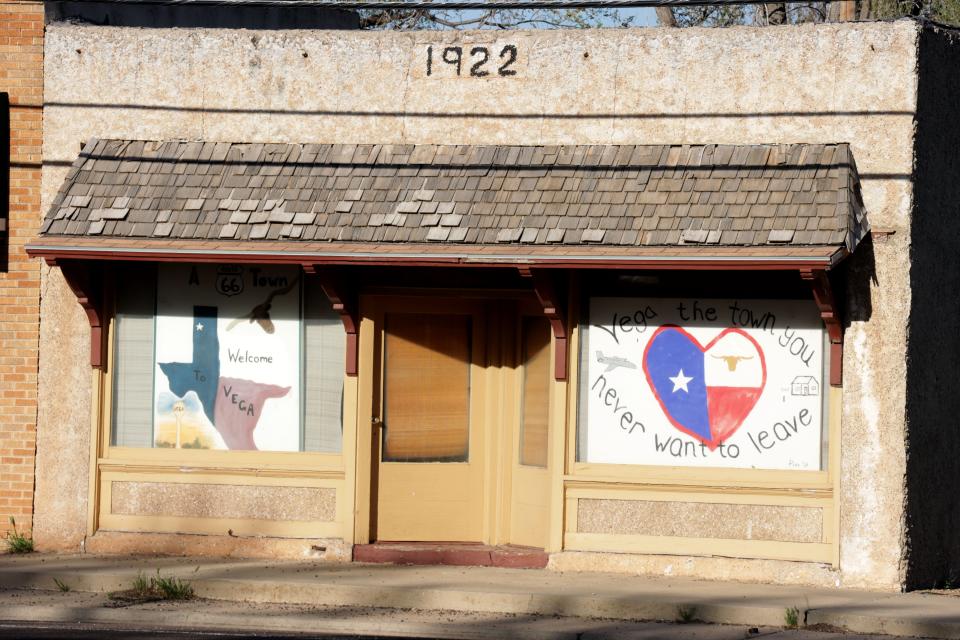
x=770 y=13
x=945 y=11
x=408 y=19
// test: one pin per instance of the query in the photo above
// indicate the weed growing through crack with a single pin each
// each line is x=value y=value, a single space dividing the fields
x=158 y=588
x=63 y=586
x=686 y=614
x=141 y=586
x=18 y=542
x=173 y=588
x=792 y=617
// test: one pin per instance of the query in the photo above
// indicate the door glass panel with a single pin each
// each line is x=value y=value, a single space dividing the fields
x=426 y=388
x=535 y=346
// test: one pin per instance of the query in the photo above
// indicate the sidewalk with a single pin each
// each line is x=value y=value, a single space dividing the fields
x=487 y=590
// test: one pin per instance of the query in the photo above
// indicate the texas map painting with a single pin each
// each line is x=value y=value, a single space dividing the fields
x=227 y=358
x=703 y=382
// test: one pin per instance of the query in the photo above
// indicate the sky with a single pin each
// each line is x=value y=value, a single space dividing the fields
x=642 y=17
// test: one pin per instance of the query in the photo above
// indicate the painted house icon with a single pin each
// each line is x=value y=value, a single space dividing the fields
x=804 y=386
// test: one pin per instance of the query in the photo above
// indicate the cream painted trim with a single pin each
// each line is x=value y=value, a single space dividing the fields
x=93 y=478
x=347 y=491
x=116 y=466
x=214 y=526
x=572 y=515
x=225 y=459
x=363 y=453
x=560 y=422
x=758 y=478
x=666 y=545
x=571 y=408
x=835 y=438
x=681 y=496
x=215 y=477
x=574 y=483
x=508 y=453
x=492 y=421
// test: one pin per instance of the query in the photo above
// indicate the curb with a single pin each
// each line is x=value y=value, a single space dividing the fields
x=877 y=616
x=506 y=602
x=279 y=624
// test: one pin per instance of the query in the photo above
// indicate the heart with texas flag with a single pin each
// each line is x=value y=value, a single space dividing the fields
x=705 y=392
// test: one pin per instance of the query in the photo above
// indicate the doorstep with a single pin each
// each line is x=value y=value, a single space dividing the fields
x=460 y=554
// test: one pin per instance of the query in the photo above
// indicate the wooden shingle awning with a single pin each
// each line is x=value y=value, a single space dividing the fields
x=738 y=207
x=573 y=201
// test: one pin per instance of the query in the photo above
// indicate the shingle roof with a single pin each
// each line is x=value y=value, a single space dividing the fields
x=611 y=195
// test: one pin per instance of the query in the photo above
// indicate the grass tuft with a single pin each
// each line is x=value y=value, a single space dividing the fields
x=173 y=588
x=18 y=542
x=141 y=586
x=63 y=586
x=686 y=614
x=792 y=617
x=160 y=587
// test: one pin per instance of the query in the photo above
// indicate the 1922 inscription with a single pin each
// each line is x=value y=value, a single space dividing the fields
x=477 y=62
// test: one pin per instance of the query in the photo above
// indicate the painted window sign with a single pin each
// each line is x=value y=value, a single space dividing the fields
x=227 y=358
x=695 y=382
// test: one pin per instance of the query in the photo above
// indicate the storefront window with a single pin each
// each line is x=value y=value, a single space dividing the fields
x=701 y=382
x=226 y=357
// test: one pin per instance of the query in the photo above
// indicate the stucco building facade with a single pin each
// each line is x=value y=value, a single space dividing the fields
x=526 y=234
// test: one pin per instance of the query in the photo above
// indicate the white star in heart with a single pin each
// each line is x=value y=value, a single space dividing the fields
x=680 y=382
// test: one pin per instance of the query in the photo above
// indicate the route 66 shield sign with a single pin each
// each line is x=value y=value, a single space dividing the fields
x=230 y=281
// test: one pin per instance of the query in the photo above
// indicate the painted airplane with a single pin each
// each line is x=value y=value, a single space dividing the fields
x=614 y=362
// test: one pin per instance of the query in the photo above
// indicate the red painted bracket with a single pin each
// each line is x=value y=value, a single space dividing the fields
x=546 y=293
x=344 y=304
x=85 y=279
x=830 y=314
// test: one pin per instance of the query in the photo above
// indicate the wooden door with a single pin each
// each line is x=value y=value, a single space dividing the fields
x=430 y=474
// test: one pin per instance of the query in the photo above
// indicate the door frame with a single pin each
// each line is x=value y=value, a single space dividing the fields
x=502 y=391
x=405 y=516
x=503 y=308
x=484 y=378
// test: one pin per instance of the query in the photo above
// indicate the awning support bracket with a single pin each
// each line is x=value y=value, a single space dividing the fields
x=830 y=314
x=546 y=293
x=345 y=305
x=85 y=280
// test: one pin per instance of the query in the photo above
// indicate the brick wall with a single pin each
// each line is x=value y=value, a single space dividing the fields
x=21 y=75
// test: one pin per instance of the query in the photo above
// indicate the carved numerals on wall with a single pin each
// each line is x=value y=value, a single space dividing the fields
x=474 y=62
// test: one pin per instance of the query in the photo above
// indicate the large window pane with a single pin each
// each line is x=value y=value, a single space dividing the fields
x=230 y=357
x=133 y=362
x=323 y=365
x=703 y=382
x=535 y=341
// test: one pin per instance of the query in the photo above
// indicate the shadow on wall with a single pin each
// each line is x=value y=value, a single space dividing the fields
x=933 y=353
x=854 y=282
x=166 y=16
